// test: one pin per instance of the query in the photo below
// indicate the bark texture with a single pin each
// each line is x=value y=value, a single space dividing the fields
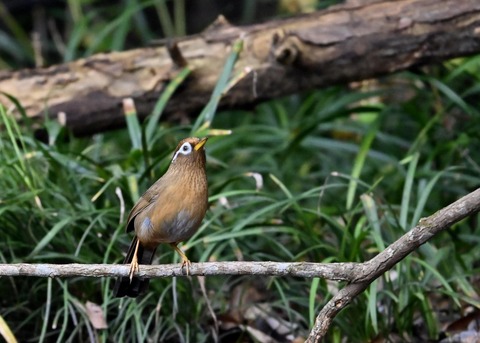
x=331 y=271
x=358 y=40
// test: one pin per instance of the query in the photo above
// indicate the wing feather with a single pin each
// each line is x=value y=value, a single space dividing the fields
x=145 y=200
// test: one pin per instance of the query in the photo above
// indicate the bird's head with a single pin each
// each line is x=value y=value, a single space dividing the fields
x=190 y=152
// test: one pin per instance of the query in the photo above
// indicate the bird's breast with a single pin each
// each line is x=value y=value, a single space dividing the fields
x=181 y=227
x=177 y=228
x=176 y=213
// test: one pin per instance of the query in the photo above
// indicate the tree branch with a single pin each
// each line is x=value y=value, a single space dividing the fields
x=394 y=253
x=331 y=271
x=359 y=274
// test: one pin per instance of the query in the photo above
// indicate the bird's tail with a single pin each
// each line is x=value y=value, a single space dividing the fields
x=123 y=286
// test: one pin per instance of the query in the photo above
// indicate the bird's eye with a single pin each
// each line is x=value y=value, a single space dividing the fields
x=185 y=149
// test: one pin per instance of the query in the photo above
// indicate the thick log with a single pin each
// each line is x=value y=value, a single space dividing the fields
x=359 y=40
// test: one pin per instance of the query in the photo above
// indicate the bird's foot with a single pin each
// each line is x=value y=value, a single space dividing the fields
x=186 y=263
x=133 y=267
x=134 y=264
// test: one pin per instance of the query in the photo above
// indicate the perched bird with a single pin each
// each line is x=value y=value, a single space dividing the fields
x=170 y=211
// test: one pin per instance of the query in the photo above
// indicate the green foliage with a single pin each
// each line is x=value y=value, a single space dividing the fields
x=341 y=179
x=86 y=28
x=331 y=175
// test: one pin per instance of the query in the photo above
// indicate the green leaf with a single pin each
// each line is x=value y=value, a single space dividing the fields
x=50 y=236
x=360 y=161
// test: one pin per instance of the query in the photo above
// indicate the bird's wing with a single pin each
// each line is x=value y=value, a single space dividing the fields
x=145 y=200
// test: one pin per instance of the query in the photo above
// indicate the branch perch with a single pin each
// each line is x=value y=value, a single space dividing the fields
x=360 y=275
x=331 y=271
x=394 y=253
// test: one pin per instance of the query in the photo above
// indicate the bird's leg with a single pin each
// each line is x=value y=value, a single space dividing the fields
x=134 y=263
x=185 y=261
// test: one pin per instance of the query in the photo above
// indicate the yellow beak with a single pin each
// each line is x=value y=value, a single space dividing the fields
x=200 y=144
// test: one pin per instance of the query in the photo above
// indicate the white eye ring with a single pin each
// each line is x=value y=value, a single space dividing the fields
x=185 y=149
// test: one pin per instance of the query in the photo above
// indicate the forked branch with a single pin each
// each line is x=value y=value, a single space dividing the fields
x=359 y=275
x=377 y=266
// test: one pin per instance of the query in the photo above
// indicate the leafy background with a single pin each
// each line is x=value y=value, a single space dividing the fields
x=328 y=175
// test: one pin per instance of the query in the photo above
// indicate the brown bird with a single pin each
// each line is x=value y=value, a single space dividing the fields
x=170 y=211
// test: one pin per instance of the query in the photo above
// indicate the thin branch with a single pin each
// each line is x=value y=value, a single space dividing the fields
x=394 y=253
x=325 y=318
x=359 y=274
x=331 y=271
x=420 y=234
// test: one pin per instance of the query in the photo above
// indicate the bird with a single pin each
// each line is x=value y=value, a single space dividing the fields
x=170 y=211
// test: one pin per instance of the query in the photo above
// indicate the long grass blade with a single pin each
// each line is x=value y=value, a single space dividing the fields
x=312 y=300
x=48 y=305
x=407 y=190
x=371 y=211
x=372 y=305
x=208 y=113
x=359 y=163
x=133 y=123
x=49 y=236
x=153 y=119
x=6 y=332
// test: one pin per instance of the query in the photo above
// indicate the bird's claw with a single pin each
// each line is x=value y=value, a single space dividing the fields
x=133 y=267
x=186 y=263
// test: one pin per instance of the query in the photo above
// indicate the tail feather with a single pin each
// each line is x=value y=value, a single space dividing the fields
x=123 y=286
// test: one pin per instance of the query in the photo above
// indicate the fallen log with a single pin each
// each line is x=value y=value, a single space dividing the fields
x=355 y=41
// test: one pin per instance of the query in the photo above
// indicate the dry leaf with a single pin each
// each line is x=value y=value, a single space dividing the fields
x=96 y=316
x=5 y=332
